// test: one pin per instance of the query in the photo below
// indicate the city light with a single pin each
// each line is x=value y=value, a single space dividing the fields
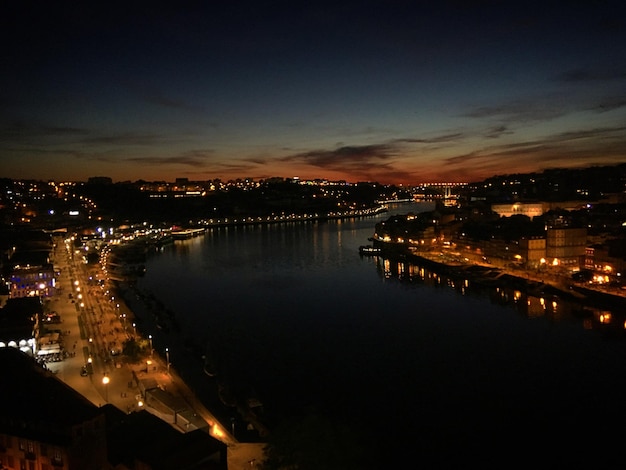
x=105 y=382
x=217 y=431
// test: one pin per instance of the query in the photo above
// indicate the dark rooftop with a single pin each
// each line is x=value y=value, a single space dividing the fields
x=34 y=403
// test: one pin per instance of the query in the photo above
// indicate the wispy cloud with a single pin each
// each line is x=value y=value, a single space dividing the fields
x=453 y=137
x=161 y=99
x=364 y=162
x=195 y=158
x=345 y=157
x=413 y=158
x=126 y=139
x=152 y=94
x=591 y=74
x=24 y=130
x=530 y=109
x=591 y=146
x=497 y=131
x=610 y=103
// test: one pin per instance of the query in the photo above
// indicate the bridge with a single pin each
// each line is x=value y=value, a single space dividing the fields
x=447 y=190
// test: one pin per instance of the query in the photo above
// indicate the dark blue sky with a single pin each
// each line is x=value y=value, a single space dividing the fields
x=392 y=91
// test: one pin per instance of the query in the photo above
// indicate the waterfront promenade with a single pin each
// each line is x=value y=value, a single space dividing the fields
x=546 y=279
x=94 y=326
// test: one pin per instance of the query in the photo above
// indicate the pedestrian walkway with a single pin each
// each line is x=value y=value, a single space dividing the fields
x=94 y=331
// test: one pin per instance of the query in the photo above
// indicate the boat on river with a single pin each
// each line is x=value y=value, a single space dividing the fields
x=369 y=250
x=185 y=234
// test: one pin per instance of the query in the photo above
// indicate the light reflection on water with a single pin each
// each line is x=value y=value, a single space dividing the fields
x=294 y=313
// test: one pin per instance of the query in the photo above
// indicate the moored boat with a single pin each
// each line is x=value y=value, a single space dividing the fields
x=369 y=250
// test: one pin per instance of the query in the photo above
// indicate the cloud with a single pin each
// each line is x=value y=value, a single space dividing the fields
x=126 y=138
x=599 y=134
x=36 y=134
x=454 y=137
x=525 y=110
x=548 y=107
x=195 y=158
x=496 y=131
x=161 y=99
x=23 y=130
x=362 y=162
x=589 y=74
x=606 y=145
x=346 y=156
x=609 y=104
x=362 y=157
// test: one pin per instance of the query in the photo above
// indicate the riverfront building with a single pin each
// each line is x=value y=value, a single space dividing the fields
x=566 y=245
x=519 y=208
x=45 y=424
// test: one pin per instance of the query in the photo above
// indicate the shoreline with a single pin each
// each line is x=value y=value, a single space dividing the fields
x=530 y=282
x=166 y=376
x=202 y=393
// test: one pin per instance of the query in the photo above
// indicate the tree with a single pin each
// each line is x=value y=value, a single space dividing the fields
x=132 y=349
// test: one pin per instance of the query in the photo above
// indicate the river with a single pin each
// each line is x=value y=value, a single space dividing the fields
x=406 y=361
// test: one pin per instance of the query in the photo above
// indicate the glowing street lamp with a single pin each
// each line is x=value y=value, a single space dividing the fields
x=150 y=338
x=167 y=359
x=105 y=382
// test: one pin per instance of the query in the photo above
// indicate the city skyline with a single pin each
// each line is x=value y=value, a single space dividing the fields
x=396 y=92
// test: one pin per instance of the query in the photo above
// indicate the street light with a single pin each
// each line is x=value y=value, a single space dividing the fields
x=105 y=382
x=167 y=359
x=150 y=338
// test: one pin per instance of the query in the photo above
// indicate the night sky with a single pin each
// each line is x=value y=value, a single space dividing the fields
x=387 y=91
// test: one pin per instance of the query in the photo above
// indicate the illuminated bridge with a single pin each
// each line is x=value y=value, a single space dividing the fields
x=445 y=190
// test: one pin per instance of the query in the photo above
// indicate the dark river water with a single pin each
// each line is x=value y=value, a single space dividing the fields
x=406 y=362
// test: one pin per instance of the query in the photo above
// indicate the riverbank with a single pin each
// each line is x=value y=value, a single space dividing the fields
x=211 y=393
x=531 y=282
x=154 y=370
